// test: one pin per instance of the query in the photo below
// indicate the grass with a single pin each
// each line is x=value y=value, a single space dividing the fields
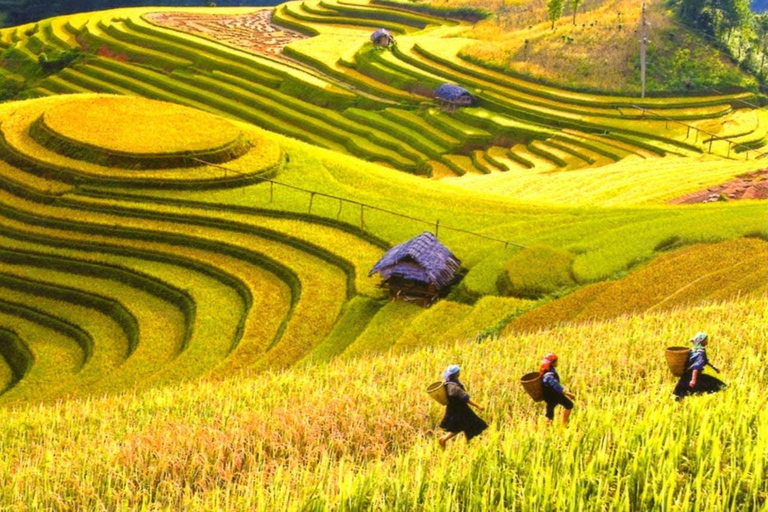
x=370 y=438
x=686 y=276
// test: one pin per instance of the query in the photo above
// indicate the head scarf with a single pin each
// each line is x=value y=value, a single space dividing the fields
x=451 y=371
x=697 y=340
x=546 y=363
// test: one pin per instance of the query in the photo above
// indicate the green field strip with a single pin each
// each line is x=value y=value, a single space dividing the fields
x=527 y=157
x=429 y=327
x=360 y=141
x=356 y=315
x=133 y=31
x=456 y=128
x=294 y=79
x=412 y=138
x=495 y=156
x=29 y=184
x=56 y=84
x=419 y=58
x=73 y=269
x=341 y=247
x=264 y=285
x=324 y=287
x=619 y=148
x=109 y=341
x=162 y=87
x=370 y=12
x=94 y=34
x=581 y=153
x=17 y=357
x=57 y=357
x=478 y=160
x=469 y=67
x=79 y=77
x=384 y=329
x=593 y=149
x=419 y=124
x=462 y=164
x=53 y=39
x=500 y=157
x=57 y=31
x=312 y=14
x=324 y=54
x=171 y=347
x=94 y=314
x=548 y=153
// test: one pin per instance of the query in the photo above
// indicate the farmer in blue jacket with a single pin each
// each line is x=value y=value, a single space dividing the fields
x=693 y=381
x=458 y=416
x=554 y=393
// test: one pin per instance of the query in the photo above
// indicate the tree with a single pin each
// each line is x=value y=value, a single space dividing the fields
x=575 y=6
x=761 y=33
x=555 y=10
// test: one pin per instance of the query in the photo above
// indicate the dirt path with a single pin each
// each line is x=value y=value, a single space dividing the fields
x=253 y=32
x=753 y=185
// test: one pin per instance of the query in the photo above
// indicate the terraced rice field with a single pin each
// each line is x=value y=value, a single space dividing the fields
x=187 y=223
x=335 y=90
x=146 y=264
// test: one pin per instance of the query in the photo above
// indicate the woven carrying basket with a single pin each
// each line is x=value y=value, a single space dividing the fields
x=676 y=359
x=532 y=384
x=437 y=391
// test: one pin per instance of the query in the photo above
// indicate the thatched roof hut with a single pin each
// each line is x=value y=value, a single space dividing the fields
x=382 y=37
x=451 y=96
x=418 y=270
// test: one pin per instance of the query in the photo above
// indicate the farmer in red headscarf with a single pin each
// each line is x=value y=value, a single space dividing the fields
x=554 y=393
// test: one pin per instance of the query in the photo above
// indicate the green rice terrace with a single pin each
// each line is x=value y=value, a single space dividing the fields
x=155 y=232
x=191 y=202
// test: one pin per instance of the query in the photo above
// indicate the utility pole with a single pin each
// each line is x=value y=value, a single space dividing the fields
x=643 y=45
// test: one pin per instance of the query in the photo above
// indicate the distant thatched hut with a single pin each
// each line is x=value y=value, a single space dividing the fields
x=419 y=270
x=382 y=37
x=450 y=96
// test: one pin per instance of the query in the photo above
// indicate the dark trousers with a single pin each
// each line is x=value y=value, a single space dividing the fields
x=553 y=399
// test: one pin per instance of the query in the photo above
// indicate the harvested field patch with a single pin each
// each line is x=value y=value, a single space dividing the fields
x=752 y=185
x=253 y=32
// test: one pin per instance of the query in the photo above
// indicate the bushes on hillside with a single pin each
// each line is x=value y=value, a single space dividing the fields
x=536 y=271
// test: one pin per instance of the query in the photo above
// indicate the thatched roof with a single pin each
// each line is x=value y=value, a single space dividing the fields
x=451 y=92
x=422 y=258
x=382 y=32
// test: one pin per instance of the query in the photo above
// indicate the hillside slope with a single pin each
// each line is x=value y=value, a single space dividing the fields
x=359 y=434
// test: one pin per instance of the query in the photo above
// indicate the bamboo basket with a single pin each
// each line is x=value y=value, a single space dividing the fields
x=437 y=391
x=676 y=359
x=532 y=384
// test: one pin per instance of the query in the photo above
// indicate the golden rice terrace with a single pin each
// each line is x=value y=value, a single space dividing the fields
x=174 y=205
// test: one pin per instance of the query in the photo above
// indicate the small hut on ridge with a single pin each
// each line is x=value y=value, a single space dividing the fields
x=419 y=270
x=450 y=96
x=382 y=37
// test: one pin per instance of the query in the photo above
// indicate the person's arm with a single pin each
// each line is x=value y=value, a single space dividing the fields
x=694 y=378
x=474 y=404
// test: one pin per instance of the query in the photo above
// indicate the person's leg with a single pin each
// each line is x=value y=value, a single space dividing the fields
x=550 y=412
x=445 y=438
x=567 y=406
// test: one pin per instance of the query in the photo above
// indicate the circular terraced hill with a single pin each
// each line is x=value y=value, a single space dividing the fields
x=107 y=284
x=105 y=140
x=158 y=134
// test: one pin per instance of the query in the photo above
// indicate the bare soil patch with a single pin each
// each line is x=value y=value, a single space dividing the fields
x=253 y=32
x=753 y=185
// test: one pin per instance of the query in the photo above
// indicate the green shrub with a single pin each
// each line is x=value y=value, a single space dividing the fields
x=536 y=271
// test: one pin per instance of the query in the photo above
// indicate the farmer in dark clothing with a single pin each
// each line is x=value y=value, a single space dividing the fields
x=458 y=416
x=693 y=381
x=554 y=393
